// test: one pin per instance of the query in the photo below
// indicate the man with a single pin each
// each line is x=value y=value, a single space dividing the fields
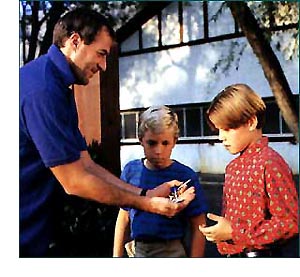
x=51 y=145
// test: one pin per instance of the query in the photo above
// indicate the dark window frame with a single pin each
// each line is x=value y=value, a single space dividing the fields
x=206 y=39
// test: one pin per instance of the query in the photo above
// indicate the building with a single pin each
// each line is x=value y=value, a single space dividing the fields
x=181 y=54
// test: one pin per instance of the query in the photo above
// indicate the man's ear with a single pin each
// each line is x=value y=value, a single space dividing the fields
x=75 y=39
x=252 y=123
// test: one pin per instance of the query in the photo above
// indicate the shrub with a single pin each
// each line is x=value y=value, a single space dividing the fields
x=86 y=228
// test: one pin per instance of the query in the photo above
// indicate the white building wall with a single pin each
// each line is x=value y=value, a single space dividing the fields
x=183 y=75
x=206 y=158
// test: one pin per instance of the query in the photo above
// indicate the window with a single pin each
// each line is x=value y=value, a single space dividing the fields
x=193 y=20
x=180 y=24
x=181 y=124
x=193 y=122
x=129 y=126
x=285 y=128
x=193 y=125
x=272 y=125
x=207 y=129
x=150 y=33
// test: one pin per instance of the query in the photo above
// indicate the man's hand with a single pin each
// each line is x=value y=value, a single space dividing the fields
x=218 y=232
x=165 y=206
x=164 y=189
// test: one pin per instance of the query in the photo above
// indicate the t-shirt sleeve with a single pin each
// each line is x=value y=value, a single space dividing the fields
x=199 y=204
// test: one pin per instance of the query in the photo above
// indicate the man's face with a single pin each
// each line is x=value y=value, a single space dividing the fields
x=89 y=59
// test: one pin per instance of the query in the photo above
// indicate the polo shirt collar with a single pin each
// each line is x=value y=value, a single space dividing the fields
x=59 y=59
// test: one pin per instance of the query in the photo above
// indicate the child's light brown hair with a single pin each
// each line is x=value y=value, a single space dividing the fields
x=234 y=106
x=157 y=119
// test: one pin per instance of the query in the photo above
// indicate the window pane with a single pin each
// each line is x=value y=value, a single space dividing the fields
x=220 y=22
x=192 y=20
x=285 y=128
x=130 y=125
x=193 y=127
x=150 y=33
x=170 y=25
x=180 y=122
x=272 y=119
x=207 y=130
x=131 y=43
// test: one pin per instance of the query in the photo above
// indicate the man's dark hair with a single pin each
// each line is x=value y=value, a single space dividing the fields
x=84 y=21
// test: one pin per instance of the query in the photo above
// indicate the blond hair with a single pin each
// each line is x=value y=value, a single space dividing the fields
x=158 y=119
x=234 y=106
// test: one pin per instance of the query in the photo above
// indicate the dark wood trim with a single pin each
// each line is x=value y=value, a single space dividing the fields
x=151 y=9
x=189 y=43
x=202 y=40
x=180 y=21
x=140 y=38
x=159 y=29
x=205 y=19
x=110 y=115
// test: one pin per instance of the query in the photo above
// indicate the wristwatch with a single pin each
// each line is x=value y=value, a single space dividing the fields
x=143 y=192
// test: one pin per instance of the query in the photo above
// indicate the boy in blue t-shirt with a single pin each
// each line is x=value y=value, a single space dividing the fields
x=156 y=235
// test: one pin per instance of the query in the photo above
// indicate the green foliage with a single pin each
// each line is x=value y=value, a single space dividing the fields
x=279 y=13
x=268 y=14
x=37 y=19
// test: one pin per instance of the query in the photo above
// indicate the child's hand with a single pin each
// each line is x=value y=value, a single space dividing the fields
x=187 y=195
x=177 y=191
x=218 y=232
x=164 y=206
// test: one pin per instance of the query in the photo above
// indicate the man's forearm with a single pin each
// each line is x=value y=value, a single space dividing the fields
x=104 y=191
x=107 y=176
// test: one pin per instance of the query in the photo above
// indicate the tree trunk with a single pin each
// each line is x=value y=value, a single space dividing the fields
x=23 y=32
x=110 y=114
x=269 y=62
x=55 y=12
x=35 y=28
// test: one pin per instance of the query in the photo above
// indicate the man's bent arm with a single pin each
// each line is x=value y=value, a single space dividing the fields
x=77 y=180
x=91 y=166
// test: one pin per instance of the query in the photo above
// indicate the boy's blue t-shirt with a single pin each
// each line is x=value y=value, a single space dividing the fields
x=48 y=137
x=149 y=225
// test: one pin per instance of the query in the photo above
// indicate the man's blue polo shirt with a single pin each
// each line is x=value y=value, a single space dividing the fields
x=49 y=136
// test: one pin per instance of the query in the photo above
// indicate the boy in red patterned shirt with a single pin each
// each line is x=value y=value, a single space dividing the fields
x=260 y=201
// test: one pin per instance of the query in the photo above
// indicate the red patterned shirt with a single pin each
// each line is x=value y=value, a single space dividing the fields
x=259 y=199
